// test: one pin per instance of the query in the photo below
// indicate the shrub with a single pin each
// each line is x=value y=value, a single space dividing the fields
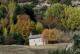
x=24 y=26
x=2 y=38
x=71 y=21
x=18 y=39
x=28 y=9
x=56 y=11
x=75 y=49
x=18 y=9
x=76 y=39
x=52 y=34
x=54 y=1
x=39 y=27
x=11 y=8
x=5 y=32
x=51 y=22
x=3 y=22
x=3 y=11
x=40 y=10
x=67 y=2
x=34 y=2
x=25 y=9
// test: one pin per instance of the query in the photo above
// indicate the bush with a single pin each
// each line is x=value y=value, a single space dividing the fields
x=2 y=38
x=71 y=21
x=25 y=9
x=28 y=9
x=75 y=49
x=24 y=25
x=34 y=2
x=18 y=39
x=39 y=27
x=52 y=34
x=18 y=9
x=56 y=11
x=53 y=15
x=3 y=11
x=54 y=1
x=76 y=39
x=67 y=2
x=21 y=9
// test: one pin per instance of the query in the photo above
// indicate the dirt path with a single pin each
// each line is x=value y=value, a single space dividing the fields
x=20 y=49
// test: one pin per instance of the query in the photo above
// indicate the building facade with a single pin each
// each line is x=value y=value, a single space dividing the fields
x=36 y=40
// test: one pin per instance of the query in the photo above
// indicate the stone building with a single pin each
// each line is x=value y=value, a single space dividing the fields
x=36 y=40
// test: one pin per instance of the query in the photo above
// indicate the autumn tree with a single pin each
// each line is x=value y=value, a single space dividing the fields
x=24 y=25
x=52 y=34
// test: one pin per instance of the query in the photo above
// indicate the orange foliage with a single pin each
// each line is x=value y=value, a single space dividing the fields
x=45 y=33
x=24 y=25
x=51 y=34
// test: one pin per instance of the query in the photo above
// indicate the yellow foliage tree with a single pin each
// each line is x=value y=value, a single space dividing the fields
x=52 y=34
x=24 y=25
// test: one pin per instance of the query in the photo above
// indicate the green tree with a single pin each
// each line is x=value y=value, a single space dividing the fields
x=76 y=40
x=72 y=18
x=67 y=2
x=2 y=11
x=5 y=32
x=24 y=26
x=54 y=1
x=39 y=27
x=53 y=15
x=11 y=8
x=55 y=10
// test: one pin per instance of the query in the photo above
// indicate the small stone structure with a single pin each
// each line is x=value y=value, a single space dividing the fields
x=36 y=40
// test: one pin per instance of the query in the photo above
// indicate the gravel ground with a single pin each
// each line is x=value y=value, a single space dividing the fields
x=21 y=49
